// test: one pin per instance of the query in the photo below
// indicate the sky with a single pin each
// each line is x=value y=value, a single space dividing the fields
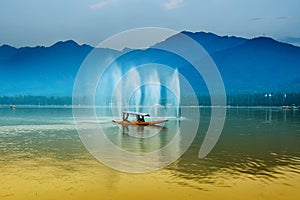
x=44 y=22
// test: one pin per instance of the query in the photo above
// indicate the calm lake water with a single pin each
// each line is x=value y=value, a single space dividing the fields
x=256 y=157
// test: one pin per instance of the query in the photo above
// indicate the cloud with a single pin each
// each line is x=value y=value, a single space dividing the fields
x=172 y=4
x=257 y=18
x=98 y=5
x=271 y=17
x=284 y=17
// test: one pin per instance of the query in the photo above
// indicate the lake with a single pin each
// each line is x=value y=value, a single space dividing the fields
x=256 y=157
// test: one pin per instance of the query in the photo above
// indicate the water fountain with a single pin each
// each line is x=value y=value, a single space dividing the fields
x=108 y=83
x=152 y=90
x=131 y=89
x=140 y=89
x=174 y=86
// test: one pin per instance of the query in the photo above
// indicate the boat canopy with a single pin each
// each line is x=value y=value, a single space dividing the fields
x=136 y=113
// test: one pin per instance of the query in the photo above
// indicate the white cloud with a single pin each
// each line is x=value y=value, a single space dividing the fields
x=257 y=18
x=284 y=17
x=271 y=17
x=99 y=4
x=173 y=4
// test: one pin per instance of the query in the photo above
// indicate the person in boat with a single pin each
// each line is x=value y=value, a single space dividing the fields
x=125 y=116
x=140 y=118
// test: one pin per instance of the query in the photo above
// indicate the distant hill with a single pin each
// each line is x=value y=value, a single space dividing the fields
x=252 y=65
x=260 y=65
x=247 y=65
x=41 y=70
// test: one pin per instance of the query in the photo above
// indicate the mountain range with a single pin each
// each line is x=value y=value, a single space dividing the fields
x=247 y=66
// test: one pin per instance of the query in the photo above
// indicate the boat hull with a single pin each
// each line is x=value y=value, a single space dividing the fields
x=139 y=123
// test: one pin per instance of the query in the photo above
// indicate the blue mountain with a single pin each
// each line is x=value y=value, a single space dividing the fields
x=41 y=70
x=260 y=65
x=247 y=65
x=255 y=65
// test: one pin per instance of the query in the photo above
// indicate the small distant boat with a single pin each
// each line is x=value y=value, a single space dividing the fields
x=293 y=107
x=286 y=107
x=140 y=119
x=13 y=107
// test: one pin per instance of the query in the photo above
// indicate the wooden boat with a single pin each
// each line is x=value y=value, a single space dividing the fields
x=139 y=123
x=139 y=119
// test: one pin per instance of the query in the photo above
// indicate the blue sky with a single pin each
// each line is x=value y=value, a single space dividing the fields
x=44 y=22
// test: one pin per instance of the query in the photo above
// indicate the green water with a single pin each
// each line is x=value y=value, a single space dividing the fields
x=257 y=144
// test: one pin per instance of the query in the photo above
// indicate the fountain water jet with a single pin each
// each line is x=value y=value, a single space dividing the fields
x=117 y=98
x=175 y=87
x=152 y=90
x=131 y=89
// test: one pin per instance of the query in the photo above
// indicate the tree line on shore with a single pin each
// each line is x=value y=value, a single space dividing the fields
x=257 y=99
